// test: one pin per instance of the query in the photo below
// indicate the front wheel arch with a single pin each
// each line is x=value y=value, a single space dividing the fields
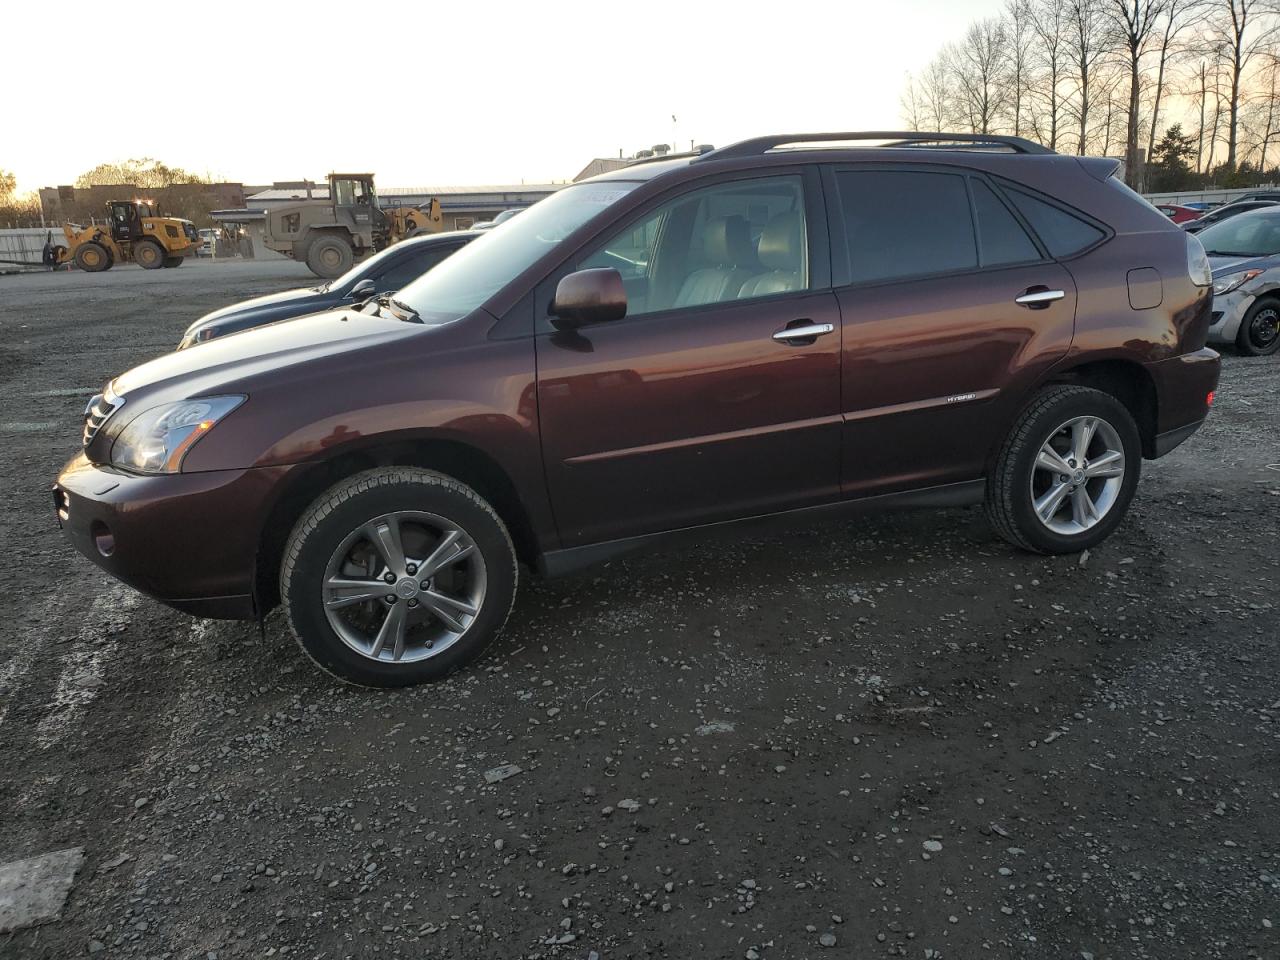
x=461 y=461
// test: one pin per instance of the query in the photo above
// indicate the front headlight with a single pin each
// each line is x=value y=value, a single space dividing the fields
x=1233 y=281
x=156 y=440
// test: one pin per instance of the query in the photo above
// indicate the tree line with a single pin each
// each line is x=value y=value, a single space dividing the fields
x=1186 y=91
x=174 y=189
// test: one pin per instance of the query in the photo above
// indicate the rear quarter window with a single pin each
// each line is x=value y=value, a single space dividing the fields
x=1063 y=234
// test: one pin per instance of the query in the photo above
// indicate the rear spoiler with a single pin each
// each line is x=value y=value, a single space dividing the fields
x=1100 y=168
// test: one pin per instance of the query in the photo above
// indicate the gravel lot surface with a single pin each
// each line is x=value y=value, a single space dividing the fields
x=895 y=736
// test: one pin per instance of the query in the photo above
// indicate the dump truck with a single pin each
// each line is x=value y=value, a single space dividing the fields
x=330 y=235
x=133 y=232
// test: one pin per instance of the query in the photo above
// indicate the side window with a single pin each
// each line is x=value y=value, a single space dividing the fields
x=1062 y=233
x=409 y=269
x=1001 y=237
x=733 y=241
x=903 y=223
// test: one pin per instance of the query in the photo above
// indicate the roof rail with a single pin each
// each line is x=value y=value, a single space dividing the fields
x=667 y=156
x=896 y=138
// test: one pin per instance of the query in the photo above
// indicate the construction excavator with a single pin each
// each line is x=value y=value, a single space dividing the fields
x=329 y=236
x=133 y=232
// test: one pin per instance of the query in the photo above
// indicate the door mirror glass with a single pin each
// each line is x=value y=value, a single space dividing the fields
x=589 y=296
x=362 y=290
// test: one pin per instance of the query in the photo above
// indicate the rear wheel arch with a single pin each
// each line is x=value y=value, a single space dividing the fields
x=1127 y=381
x=455 y=459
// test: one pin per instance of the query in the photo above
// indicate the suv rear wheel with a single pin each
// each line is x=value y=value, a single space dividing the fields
x=1067 y=471
x=397 y=576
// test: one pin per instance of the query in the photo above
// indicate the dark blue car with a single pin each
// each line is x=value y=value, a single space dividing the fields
x=384 y=272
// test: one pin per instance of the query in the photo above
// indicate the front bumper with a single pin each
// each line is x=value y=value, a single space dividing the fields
x=1228 y=311
x=189 y=540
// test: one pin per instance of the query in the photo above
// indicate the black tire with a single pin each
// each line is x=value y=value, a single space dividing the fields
x=148 y=254
x=92 y=257
x=352 y=504
x=1259 y=334
x=330 y=256
x=1009 y=498
x=173 y=261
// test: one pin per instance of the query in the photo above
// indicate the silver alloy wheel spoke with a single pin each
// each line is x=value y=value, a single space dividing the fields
x=385 y=537
x=1082 y=432
x=1083 y=510
x=1048 y=504
x=450 y=549
x=1110 y=464
x=1049 y=459
x=344 y=591
x=392 y=631
x=447 y=608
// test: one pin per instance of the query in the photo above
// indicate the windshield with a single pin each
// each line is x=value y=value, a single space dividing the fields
x=484 y=266
x=361 y=269
x=1255 y=234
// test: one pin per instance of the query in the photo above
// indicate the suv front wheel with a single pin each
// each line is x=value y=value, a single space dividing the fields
x=397 y=576
x=1066 y=473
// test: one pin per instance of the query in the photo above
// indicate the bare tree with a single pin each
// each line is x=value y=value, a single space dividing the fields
x=1179 y=15
x=1133 y=22
x=978 y=66
x=1086 y=48
x=936 y=95
x=1261 y=114
x=1020 y=33
x=1239 y=29
x=1050 y=26
x=910 y=105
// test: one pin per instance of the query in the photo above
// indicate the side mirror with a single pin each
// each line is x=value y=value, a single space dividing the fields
x=363 y=290
x=589 y=296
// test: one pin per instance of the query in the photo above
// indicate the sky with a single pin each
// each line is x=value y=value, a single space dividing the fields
x=433 y=93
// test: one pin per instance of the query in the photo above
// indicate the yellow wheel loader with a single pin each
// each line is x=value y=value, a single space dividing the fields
x=330 y=235
x=133 y=232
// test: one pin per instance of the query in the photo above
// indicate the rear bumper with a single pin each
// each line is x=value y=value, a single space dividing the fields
x=1184 y=388
x=188 y=540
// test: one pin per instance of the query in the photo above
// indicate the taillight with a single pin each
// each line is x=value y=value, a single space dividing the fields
x=1209 y=398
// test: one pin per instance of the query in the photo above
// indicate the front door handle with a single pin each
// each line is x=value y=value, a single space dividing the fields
x=804 y=332
x=1037 y=298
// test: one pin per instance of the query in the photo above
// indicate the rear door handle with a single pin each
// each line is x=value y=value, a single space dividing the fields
x=1037 y=298
x=807 y=331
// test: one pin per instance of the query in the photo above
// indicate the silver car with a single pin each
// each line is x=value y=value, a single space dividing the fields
x=1244 y=253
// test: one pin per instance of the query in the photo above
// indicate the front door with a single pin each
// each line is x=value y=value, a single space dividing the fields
x=706 y=402
x=951 y=311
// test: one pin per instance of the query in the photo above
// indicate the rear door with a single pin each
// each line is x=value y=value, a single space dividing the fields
x=700 y=405
x=950 y=310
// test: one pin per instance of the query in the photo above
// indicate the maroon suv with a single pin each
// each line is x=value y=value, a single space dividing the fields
x=787 y=325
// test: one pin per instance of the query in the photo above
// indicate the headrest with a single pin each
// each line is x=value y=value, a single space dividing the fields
x=782 y=243
x=727 y=241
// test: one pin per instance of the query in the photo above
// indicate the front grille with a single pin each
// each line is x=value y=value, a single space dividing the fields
x=98 y=410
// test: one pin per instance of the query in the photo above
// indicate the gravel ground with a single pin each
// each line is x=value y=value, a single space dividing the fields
x=890 y=737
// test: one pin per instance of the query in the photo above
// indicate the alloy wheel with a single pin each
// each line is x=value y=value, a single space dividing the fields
x=1078 y=475
x=404 y=587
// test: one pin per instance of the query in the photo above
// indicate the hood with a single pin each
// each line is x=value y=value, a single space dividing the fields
x=1222 y=266
x=222 y=363
x=269 y=300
